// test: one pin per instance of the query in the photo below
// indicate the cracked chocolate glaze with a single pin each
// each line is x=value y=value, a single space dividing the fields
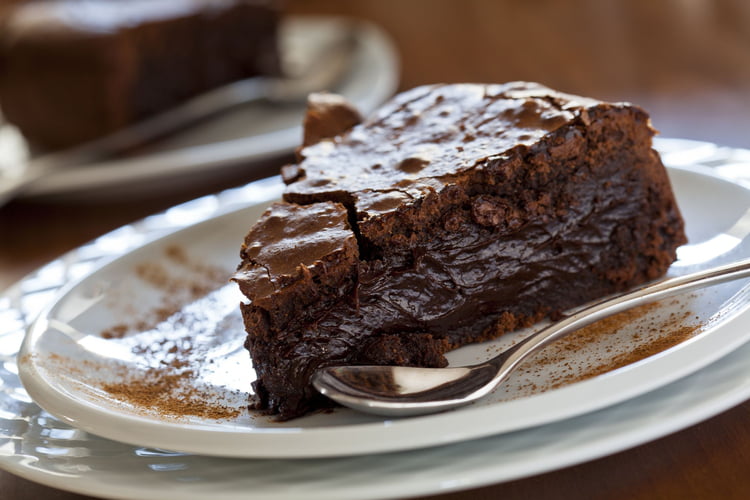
x=431 y=132
x=476 y=210
x=288 y=241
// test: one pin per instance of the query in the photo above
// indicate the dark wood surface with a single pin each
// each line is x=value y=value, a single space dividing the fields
x=688 y=63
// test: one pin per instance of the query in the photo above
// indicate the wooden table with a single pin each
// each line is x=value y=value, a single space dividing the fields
x=687 y=62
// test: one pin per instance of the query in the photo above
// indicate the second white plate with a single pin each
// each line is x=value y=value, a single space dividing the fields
x=231 y=143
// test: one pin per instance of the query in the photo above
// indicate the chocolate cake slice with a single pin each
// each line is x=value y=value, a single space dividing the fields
x=454 y=214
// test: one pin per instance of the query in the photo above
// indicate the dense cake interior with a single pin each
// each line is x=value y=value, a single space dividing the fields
x=475 y=210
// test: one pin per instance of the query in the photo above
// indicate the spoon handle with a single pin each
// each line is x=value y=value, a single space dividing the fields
x=509 y=359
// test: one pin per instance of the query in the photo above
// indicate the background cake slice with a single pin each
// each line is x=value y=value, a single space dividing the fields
x=74 y=70
x=476 y=210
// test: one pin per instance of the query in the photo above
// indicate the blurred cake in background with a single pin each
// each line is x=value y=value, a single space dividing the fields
x=75 y=70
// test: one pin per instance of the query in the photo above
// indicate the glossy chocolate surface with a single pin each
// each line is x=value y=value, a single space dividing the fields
x=426 y=135
x=289 y=239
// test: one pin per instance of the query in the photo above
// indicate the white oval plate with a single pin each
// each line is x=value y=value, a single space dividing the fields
x=67 y=336
x=39 y=447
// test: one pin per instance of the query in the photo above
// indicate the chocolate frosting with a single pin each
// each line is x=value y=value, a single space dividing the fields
x=288 y=242
x=427 y=135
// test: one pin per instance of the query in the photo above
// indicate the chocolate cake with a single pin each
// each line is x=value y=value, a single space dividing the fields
x=74 y=70
x=454 y=214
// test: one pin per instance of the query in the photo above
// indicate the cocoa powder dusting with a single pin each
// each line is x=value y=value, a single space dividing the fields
x=170 y=393
x=167 y=341
x=180 y=279
x=115 y=332
x=639 y=353
x=575 y=358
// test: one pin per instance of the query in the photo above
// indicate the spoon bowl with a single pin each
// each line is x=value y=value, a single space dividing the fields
x=405 y=391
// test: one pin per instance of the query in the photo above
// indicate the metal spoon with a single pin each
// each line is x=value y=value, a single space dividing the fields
x=403 y=391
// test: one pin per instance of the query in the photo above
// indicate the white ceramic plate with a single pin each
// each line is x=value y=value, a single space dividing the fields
x=39 y=447
x=228 y=144
x=69 y=369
